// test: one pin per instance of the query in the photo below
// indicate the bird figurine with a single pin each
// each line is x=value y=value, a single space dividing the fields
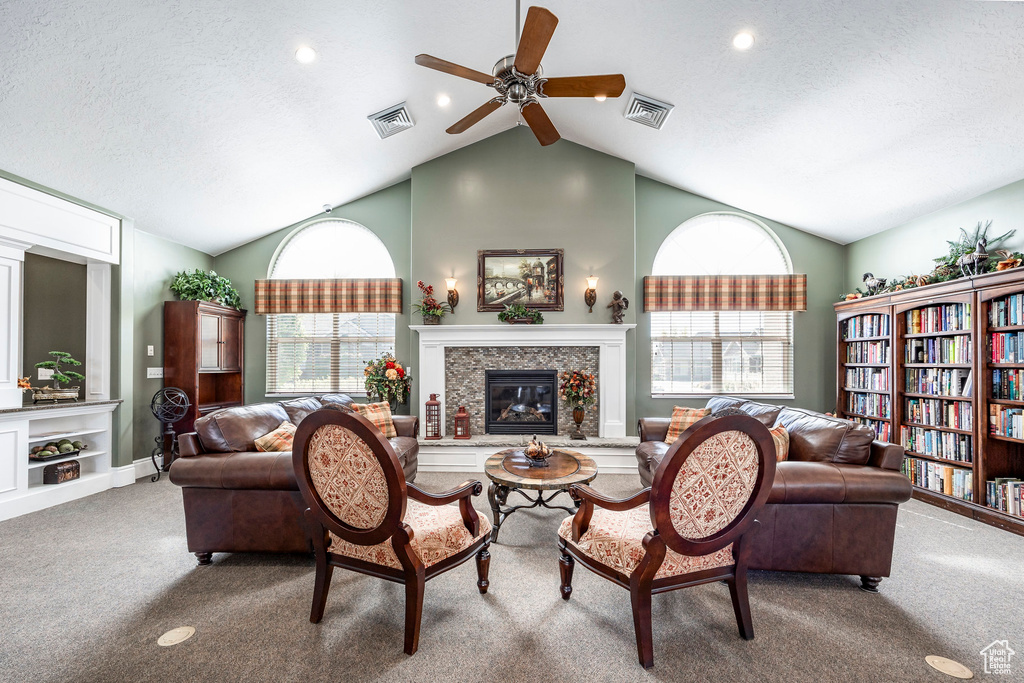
x=874 y=284
x=1008 y=261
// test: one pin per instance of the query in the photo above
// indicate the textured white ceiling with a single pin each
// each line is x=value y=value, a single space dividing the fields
x=846 y=118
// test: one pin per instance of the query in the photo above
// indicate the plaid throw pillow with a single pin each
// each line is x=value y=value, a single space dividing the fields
x=781 y=438
x=682 y=418
x=380 y=415
x=278 y=440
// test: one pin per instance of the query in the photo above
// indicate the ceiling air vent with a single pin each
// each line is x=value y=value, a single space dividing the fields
x=391 y=120
x=647 y=110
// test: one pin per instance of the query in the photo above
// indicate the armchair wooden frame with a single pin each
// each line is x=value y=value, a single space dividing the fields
x=641 y=583
x=321 y=521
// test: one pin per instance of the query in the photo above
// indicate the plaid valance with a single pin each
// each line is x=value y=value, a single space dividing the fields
x=725 y=293
x=356 y=295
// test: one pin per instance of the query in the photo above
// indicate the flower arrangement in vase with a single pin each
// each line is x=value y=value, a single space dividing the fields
x=577 y=390
x=387 y=380
x=430 y=308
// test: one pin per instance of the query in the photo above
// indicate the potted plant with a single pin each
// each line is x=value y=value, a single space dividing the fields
x=200 y=286
x=516 y=314
x=429 y=307
x=577 y=391
x=60 y=376
x=387 y=380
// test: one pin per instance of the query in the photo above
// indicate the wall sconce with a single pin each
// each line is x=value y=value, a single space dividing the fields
x=453 y=294
x=590 y=296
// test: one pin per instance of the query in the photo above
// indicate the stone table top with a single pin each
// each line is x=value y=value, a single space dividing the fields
x=512 y=468
x=520 y=440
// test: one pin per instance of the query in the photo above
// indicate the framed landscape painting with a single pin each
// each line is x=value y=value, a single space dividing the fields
x=532 y=277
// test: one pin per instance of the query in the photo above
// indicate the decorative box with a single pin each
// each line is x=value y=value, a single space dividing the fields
x=60 y=472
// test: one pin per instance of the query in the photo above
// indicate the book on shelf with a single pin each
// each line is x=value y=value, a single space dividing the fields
x=938 y=350
x=1006 y=312
x=872 y=405
x=955 y=482
x=867 y=378
x=936 y=444
x=1004 y=494
x=940 y=413
x=1006 y=384
x=942 y=318
x=883 y=429
x=952 y=382
x=1007 y=347
x=1006 y=421
x=867 y=325
x=869 y=352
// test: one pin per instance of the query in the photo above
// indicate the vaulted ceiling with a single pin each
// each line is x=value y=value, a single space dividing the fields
x=847 y=117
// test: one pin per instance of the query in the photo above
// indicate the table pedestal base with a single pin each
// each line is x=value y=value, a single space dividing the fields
x=497 y=495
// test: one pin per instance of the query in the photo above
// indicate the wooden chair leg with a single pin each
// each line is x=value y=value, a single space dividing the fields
x=565 y=566
x=870 y=583
x=483 y=567
x=324 y=572
x=741 y=604
x=413 y=611
x=641 y=599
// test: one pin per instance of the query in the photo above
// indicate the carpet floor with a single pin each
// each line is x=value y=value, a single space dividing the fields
x=86 y=589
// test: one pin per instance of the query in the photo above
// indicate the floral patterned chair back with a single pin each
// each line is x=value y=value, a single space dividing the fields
x=351 y=474
x=712 y=482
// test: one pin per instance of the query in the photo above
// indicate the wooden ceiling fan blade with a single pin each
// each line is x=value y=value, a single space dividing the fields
x=608 y=85
x=540 y=124
x=474 y=117
x=454 y=69
x=537 y=30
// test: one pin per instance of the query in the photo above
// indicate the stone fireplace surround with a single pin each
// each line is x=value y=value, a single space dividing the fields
x=609 y=340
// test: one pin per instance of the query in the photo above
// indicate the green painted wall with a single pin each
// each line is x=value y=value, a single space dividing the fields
x=660 y=209
x=910 y=248
x=386 y=213
x=156 y=261
x=508 y=192
x=54 y=319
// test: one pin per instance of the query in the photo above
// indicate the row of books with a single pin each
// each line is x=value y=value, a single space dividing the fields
x=870 y=325
x=945 y=445
x=943 y=318
x=939 y=350
x=952 y=481
x=867 y=378
x=1007 y=347
x=936 y=413
x=883 y=430
x=955 y=382
x=1004 y=494
x=1006 y=384
x=1005 y=421
x=875 y=405
x=868 y=352
x=1008 y=311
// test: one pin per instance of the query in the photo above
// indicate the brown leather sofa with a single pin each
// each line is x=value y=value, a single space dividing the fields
x=832 y=507
x=238 y=499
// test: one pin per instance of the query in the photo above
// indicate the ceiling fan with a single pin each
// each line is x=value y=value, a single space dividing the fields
x=519 y=79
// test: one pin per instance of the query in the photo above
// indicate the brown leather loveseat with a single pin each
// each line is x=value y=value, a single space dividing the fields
x=832 y=507
x=238 y=499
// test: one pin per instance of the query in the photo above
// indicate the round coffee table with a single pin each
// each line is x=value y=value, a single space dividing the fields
x=510 y=471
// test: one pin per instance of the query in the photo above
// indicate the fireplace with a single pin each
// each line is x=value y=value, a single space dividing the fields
x=521 y=402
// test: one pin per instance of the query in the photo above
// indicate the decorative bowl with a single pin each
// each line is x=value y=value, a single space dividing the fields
x=537 y=453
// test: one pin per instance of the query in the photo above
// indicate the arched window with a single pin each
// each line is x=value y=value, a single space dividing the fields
x=310 y=353
x=699 y=353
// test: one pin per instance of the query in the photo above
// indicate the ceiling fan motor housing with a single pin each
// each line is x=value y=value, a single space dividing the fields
x=516 y=87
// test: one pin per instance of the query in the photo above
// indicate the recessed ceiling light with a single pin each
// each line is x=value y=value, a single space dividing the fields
x=305 y=55
x=743 y=40
x=443 y=100
x=600 y=98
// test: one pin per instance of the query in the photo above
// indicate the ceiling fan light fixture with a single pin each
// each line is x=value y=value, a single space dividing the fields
x=600 y=98
x=743 y=40
x=305 y=55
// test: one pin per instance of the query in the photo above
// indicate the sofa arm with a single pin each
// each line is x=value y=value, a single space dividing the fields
x=188 y=444
x=406 y=425
x=653 y=428
x=888 y=456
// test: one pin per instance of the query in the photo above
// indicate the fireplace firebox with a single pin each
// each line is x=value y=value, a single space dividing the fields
x=521 y=402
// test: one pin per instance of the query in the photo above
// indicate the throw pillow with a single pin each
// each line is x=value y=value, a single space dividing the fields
x=278 y=440
x=380 y=415
x=781 y=438
x=682 y=418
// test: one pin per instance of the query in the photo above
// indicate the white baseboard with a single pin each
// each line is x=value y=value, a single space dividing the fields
x=144 y=467
x=122 y=476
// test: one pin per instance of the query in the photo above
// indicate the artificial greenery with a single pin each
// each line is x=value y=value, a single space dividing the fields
x=948 y=265
x=428 y=305
x=386 y=379
x=61 y=376
x=200 y=286
x=518 y=311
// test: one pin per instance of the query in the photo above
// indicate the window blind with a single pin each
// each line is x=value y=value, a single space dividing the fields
x=324 y=352
x=722 y=352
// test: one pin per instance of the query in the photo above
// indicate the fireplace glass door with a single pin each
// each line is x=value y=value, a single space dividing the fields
x=521 y=402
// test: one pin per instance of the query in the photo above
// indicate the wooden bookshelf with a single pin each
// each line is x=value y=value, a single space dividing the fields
x=864 y=378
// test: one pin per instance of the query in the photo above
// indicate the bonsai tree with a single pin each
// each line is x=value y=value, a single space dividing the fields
x=61 y=376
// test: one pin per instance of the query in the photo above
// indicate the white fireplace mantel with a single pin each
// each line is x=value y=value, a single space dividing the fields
x=610 y=340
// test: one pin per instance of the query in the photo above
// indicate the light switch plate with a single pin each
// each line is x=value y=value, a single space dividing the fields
x=45 y=374
x=154 y=373
x=149 y=350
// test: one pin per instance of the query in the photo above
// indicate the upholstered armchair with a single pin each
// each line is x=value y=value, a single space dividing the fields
x=693 y=525
x=365 y=517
